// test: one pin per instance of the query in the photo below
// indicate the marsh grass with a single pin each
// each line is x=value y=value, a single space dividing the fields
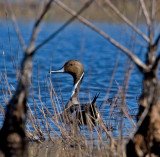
x=48 y=133
x=29 y=10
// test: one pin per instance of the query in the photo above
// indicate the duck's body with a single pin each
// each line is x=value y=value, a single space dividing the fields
x=84 y=113
x=88 y=113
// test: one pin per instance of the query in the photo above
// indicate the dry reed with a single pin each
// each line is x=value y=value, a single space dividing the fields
x=45 y=125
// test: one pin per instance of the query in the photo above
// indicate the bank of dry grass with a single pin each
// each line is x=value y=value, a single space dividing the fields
x=98 y=11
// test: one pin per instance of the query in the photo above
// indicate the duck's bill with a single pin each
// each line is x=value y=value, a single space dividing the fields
x=57 y=71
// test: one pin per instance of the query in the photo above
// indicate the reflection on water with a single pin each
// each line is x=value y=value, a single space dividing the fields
x=75 y=42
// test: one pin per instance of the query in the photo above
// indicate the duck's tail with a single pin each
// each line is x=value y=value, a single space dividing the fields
x=93 y=106
x=93 y=110
x=95 y=98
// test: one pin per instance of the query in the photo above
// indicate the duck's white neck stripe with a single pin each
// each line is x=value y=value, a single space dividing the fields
x=75 y=86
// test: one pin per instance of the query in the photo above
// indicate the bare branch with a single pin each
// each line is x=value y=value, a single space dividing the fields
x=145 y=12
x=153 y=16
x=156 y=62
x=125 y=19
x=36 y=25
x=15 y=25
x=153 y=10
x=86 y=5
x=12 y=134
x=157 y=41
x=135 y=59
x=75 y=15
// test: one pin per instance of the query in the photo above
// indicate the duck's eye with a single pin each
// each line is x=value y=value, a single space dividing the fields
x=71 y=64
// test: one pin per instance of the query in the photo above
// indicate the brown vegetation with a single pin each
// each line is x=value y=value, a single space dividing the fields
x=146 y=139
x=30 y=9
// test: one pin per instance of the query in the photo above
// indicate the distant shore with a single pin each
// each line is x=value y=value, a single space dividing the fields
x=30 y=9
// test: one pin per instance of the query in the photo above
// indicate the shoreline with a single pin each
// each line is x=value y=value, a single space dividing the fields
x=95 y=13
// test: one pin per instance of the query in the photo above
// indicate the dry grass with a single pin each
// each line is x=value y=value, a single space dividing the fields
x=49 y=135
x=29 y=10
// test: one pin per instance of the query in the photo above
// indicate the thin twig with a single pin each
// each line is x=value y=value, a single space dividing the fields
x=145 y=12
x=156 y=62
x=13 y=18
x=111 y=80
x=125 y=19
x=153 y=11
x=134 y=58
x=155 y=45
x=86 y=5
x=36 y=25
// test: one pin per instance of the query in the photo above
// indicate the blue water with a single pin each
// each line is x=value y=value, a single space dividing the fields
x=75 y=42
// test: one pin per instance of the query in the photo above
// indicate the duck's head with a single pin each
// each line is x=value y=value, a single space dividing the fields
x=74 y=68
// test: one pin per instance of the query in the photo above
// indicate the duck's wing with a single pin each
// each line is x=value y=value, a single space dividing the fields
x=84 y=107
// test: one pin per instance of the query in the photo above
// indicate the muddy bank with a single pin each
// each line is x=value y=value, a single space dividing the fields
x=60 y=148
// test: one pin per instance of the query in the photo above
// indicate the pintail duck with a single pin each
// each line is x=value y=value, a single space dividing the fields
x=83 y=112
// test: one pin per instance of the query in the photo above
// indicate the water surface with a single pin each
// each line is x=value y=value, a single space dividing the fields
x=75 y=42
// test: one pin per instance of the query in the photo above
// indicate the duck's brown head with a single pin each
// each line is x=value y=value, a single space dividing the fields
x=73 y=67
